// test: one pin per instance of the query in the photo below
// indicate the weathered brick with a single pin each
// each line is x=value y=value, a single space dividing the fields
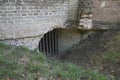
x=4 y=18
x=31 y=7
x=11 y=8
x=17 y=14
x=30 y=14
x=22 y=11
x=1 y=12
x=35 y=14
x=17 y=18
x=24 y=8
x=24 y=14
x=18 y=7
x=3 y=8
x=10 y=15
x=3 y=22
x=3 y=15
x=10 y=21
x=6 y=12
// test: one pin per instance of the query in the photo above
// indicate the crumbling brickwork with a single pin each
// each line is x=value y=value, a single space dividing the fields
x=106 y=13
x=99 y=14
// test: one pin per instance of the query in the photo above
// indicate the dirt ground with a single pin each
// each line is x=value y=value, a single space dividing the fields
x=84 y=54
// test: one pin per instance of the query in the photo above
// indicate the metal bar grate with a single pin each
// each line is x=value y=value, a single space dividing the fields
x=49 y=44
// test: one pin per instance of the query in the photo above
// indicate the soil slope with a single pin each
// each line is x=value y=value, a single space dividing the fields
x=91 y=51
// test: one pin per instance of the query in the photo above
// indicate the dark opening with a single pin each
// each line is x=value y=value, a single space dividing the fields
x=57 y=41
x=49 y=43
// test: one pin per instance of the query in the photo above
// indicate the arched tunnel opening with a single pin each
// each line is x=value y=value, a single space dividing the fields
x=55 y=42
x=49 y=43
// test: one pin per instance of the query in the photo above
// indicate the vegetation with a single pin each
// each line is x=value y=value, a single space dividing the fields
x=19 y=63
x=108 y=62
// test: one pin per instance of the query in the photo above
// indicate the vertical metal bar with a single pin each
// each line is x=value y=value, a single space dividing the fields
x=43 y=44
x=46 y=44
x=42 y=50
x=49 y=37
x=59 y=34
x=40 y=46
x=53 y=42
x=56 y=43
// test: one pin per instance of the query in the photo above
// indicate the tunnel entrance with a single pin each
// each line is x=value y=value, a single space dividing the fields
x=55 y=42
x=49 y=43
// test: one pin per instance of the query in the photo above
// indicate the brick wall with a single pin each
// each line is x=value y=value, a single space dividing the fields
x=24 y=22
x=26 y=18
x=103 y=14
x=106 y=10
x=106 y=13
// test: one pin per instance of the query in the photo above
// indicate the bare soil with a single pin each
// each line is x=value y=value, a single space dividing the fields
x=85 y=54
